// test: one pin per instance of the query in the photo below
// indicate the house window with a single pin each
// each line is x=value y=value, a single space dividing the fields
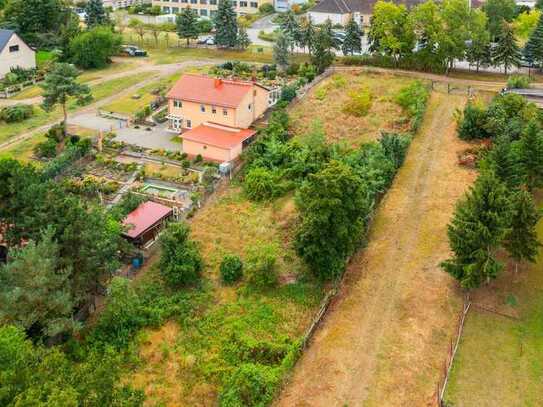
x=213 y=2
x=213 y=109
x=184 y=1
x=202 y=108
x=254 y=4
x=166 y=10
x=243 y=4
x=189 y=124
x=250 y=107
x=177 y=103
x=203 y=12
x=193 y=1
x=14 y=48
x=203 y=1
x=224 y=112
x=175 y=10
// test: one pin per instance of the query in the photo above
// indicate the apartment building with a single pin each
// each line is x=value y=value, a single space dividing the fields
x=208 y=8
x=118 y=4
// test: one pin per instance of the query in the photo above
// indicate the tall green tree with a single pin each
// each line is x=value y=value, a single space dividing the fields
x=507 y=52
x=291 y=28
x=498 y=11
x=427 y=23
x=95 y=14
x=243 y=38
x=281 y=54
x=502 y=161
x=226 y=25
x=180 y=260
x=479 y=225
x=35 y=293
x=333 y=205
x=187 y=24
x=327 y=35
x=390 y=31
x=322 y=57
x=456 y=30
x=478 y=51
x=533 y=50
x=521 y=242
x=33 y=17
x=68 y=31
x=60 y=85
x=307 y=34
x=530 y=153
x=353 y=38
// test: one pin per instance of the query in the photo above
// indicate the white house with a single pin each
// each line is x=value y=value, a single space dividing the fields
x=14 y=52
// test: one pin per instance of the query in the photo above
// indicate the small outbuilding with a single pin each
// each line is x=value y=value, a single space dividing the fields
x=145 y=222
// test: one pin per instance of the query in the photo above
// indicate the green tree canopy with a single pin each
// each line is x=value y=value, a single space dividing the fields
x=497 y=11
x=353 y=38
x=187 y=24
x=507 y=52
x=95 y=14
x=533 y=50
x=94 y=48
x=281 y=54
x=226 y=25
x=530 y=151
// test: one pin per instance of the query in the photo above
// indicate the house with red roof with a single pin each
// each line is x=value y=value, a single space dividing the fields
x=213 y=115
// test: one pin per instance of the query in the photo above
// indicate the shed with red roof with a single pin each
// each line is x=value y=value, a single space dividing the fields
x=145 y=222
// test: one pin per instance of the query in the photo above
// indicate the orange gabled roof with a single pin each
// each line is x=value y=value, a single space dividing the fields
x=145 y=216
x=218 y=135
x=210 y=91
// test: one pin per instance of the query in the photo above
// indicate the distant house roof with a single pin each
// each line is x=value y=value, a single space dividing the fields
x=218 y=135
x=5 y=36
x=210 y=91
x=354 y=6
x=144 y=217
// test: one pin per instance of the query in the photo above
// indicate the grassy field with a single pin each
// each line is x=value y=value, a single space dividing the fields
x=41 y=117
x=182 y=362
x=500 y=360
x=326 y=102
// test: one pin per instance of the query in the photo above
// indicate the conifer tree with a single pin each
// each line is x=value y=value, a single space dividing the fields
x=281 y=54
x=243 y=38
x=226 y=25
x=521 y=241
x=533 y=50
x=353 y=38
x=502 y=162
x=322 y=57
x=507 y=51
x=307 y=34
x=530 y=151
x=291 y=28
x=95 y=14
x=187 y=24
x=477 y=230
x=327 y=35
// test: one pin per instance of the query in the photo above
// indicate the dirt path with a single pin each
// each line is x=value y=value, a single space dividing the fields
x=148 y=76
x=384 y=340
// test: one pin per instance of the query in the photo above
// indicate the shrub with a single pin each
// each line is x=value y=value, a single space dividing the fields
x=472 y=124
x=94 y=48
x=180 y=260
x=261 y=266
x=16 y=113
x=308 y=71
x=395 y=147
x=204 y=26
x=262 y=184
x=321 y=93
x=413 y=99
x=266 y=8
x=288 y=93
x=293 y=69
x=359 y=103
x=231 y=269
x=518 y=82
x=250 y=385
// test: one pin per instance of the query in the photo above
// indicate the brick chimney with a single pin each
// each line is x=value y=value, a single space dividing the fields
x=218 y=82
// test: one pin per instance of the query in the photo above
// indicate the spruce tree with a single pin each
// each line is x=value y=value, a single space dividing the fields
x=281 y=55
x=480 y=223
x=353 y=38
x=322 y=57
x=507 y=51
x=521 y=241
x=291 y=28
x=307 y=34
x=95 y=14
x=187 y=25
x=243 y=38
x=327 y=35
x=530 y=152
x=226 y=25
x=503 y=163
x=533 y=50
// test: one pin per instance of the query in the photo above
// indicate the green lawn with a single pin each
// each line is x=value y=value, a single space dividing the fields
x=40 y=118
x=500 y=361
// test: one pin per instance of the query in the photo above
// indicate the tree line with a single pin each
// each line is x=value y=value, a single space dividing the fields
x=498 y=213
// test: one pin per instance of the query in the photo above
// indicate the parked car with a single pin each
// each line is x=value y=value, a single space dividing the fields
x=206 y=41
x=132 y=51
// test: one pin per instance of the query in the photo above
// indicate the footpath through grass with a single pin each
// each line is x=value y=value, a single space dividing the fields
x=500 y=360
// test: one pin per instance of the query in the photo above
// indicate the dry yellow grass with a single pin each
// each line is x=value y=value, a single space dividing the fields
x=326 y=103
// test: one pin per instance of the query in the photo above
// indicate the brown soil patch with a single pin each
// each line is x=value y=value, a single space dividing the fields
x=385 y=339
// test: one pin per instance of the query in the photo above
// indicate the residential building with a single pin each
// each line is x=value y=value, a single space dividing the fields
x=14 y=52
x=208 y=8
x=118 y=4
x=282 y=6
x=214 y=115
x=341 y=11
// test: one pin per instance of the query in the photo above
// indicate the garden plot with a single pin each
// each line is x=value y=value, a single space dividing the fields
x=352 y=107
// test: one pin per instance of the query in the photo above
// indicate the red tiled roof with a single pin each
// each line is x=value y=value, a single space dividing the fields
x=218 y=135
x=211 y=91
x=143 y=217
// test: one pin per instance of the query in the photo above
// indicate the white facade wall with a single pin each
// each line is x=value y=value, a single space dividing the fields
x=16 y=53
x=320 y=18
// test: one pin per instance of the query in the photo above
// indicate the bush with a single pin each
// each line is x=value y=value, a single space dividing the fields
x=308 y=71
x=204 y=26
x=472 y=124
x=251 y=385
x=359 y=103
x=261 y=266
x=94 y=48
x=262 y=184
x=288 y=93
x=266 y=8
x=413 y=99
x=293 y=69
x=518 y=82
x=395 y=147
x=180 y=260
x=16 y=113
x=231 y=269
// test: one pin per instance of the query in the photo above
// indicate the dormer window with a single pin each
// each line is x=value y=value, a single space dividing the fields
x=177 y=103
